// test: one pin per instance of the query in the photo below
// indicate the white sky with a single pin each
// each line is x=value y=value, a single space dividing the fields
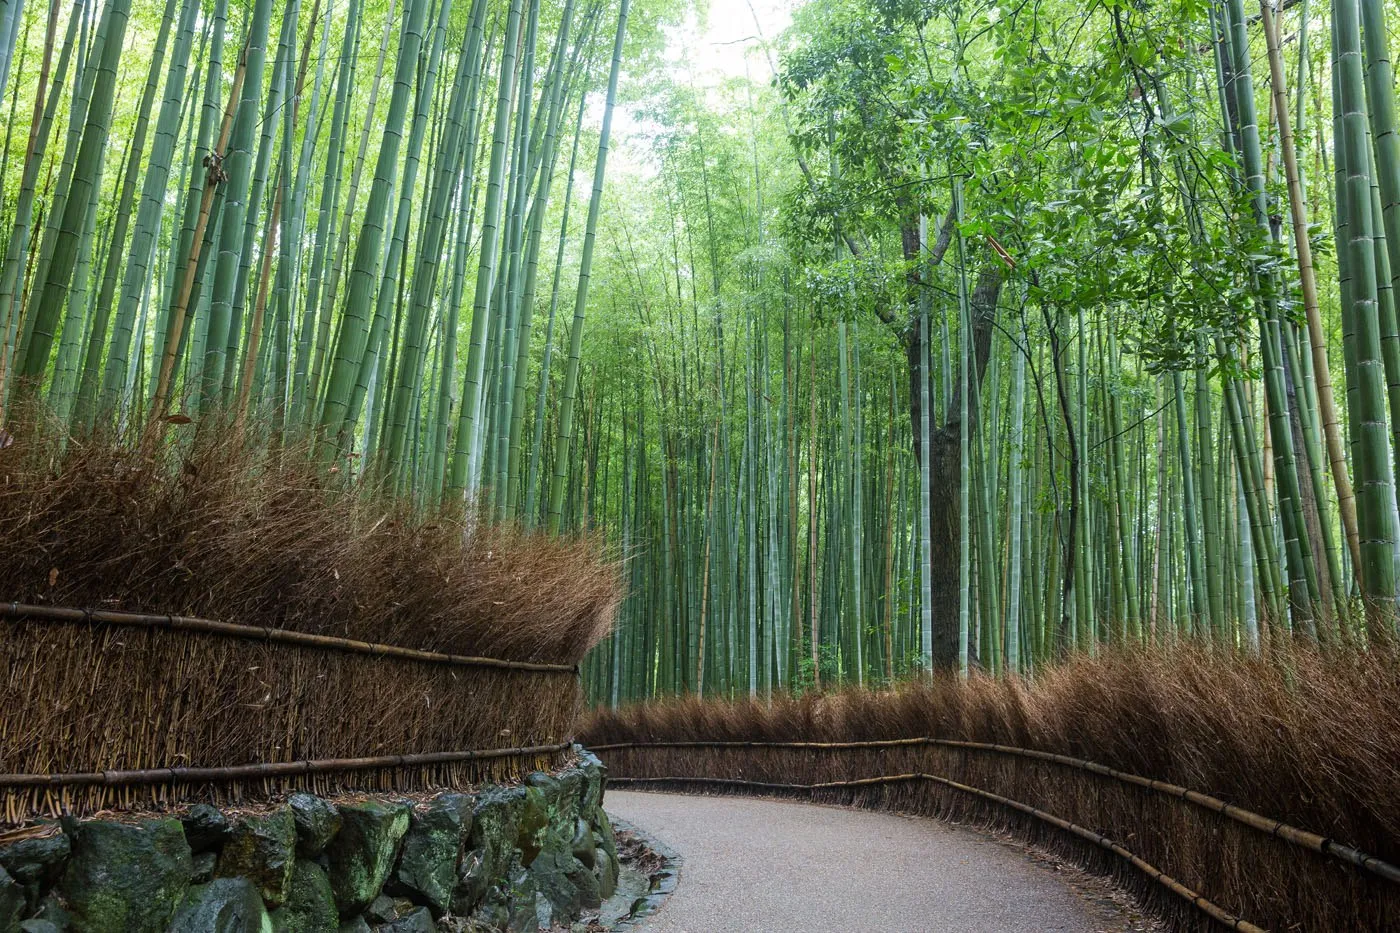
x=721 y=45
x=714 y=46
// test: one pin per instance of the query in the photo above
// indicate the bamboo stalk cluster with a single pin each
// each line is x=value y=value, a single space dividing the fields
x=1037 y=357
x=268 y=215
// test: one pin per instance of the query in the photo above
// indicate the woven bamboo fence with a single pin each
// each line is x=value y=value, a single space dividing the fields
x=115 y=710
x=1198 y=860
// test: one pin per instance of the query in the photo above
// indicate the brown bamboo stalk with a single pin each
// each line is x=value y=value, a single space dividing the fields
x=27 y=612
x=1322 y=375
x=179 y=310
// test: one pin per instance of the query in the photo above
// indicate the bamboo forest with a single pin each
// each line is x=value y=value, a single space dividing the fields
x=872 y=337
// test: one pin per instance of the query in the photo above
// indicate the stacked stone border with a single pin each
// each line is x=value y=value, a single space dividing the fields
x=504 y=857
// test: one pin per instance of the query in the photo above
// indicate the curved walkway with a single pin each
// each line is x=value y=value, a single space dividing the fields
x=772 y=866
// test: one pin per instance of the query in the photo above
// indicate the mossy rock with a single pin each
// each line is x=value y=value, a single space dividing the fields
x=36 y=860
x=533 y=825
x=204 y=865
x=206 y=827
x=317 y=822
x=566 y=882
x=545 y=782
x=262 y=849
x=595 y=779
x=310 y=904
x=13 y=903
x=427 y=870
x=551 y=871
x=381 y=910
x=492 y=914
x=126 y=876
x=494 y=830
x=224 y=905
x=40 y=926
x=417 y=920
x=509 y=904
x=473 y=882
x=52 y=913
x=603 y=827
x=363 y=853
x=605 y=870
x=581 y=845
x=573 y=789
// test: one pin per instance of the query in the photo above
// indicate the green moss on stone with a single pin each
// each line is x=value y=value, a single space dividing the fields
x=310 y=904
x=427 y=869
x=124 y=876
x=224 y=905
x=533 y=825
x=363 y=853
x=262 y=849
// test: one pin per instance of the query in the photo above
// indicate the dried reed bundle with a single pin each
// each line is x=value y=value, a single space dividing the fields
x=203 y=527
x=208 y=527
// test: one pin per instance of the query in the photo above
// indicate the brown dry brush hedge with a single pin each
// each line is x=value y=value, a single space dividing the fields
x=1308 y=738
x=212 y=529
x=204 y=527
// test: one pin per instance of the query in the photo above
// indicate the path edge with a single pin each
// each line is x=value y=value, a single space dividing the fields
x=663 y=882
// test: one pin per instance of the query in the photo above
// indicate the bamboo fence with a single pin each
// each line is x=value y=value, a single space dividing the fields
x=126 y=710
x=1102 y=817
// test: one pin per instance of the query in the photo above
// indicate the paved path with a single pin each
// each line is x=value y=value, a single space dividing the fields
x=767 y=866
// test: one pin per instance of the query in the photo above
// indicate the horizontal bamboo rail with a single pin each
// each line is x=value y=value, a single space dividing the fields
x=27 y=612
x=1198 y=901
x=1292 y=834
x=273 y=769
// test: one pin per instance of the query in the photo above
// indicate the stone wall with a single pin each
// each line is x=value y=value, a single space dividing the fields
x=504 y=858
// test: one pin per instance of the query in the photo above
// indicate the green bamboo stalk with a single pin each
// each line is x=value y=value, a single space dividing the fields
x=355 y=318
x=566 y=405
x=87 y=166
x=1371 y=455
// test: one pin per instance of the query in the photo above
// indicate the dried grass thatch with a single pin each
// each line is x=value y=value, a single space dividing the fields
x=208 y=529
x=1308 y=739
x=211 y=529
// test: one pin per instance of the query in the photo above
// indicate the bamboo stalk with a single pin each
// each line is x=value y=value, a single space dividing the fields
x=1336 y=455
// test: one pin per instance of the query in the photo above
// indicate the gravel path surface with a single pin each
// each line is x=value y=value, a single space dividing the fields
x=768 y=866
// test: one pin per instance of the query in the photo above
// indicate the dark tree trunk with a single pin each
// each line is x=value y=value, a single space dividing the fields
x=945 y=467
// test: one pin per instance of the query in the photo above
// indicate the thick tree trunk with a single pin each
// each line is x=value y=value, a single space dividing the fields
x=945 y=468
